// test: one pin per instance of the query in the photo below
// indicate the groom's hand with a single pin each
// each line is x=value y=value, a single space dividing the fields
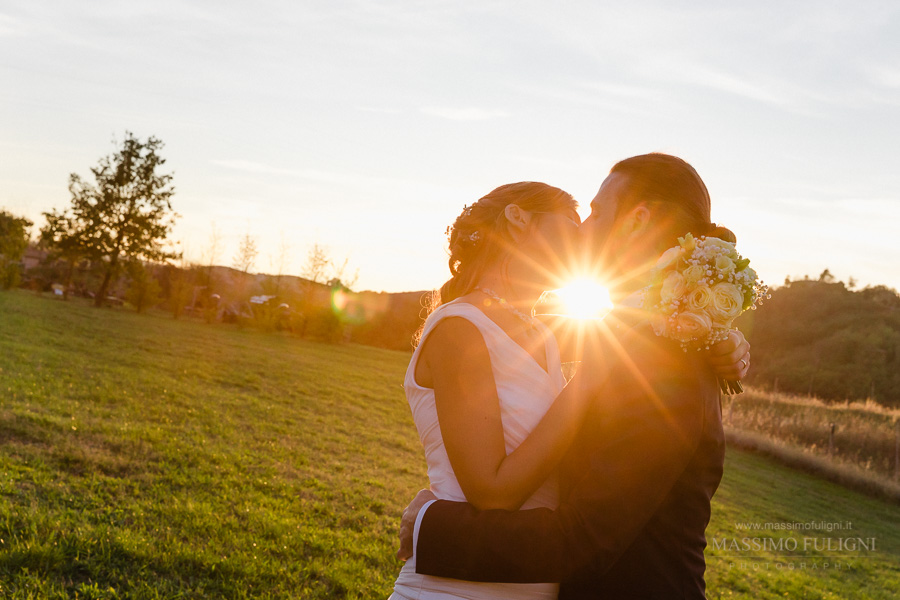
x=408 y=522
x=730 y=358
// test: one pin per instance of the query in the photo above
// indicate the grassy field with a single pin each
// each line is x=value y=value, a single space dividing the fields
x=142 y=457
x=865 y=433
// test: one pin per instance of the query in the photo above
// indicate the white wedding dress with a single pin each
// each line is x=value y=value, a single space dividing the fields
x=525 y=392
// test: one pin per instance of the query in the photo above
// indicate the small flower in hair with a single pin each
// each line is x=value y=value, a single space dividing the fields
x=474 y=237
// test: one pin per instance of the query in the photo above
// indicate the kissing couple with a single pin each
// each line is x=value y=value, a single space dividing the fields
x=539 y=488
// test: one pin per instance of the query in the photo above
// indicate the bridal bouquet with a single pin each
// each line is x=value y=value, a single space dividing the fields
x=698 y=289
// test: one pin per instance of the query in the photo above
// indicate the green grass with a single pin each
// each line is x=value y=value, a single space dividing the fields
x=161 y=459
x=142 y=457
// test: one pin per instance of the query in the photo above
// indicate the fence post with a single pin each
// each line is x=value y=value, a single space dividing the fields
x=831 y=442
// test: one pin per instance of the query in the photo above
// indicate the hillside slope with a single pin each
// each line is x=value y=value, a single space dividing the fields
x=142 y=457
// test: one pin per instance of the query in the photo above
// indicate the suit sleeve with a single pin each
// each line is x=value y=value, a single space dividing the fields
x=640 y=454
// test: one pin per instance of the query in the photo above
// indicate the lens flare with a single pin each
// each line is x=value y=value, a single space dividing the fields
x=585 y=299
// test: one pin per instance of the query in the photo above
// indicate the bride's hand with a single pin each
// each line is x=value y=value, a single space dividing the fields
x=408 y=522
x=730 y=358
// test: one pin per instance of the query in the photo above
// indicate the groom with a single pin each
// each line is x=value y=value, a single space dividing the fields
x=639 y=480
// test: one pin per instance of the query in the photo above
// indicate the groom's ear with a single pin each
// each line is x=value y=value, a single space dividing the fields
x=636 y=222
x=518 y=220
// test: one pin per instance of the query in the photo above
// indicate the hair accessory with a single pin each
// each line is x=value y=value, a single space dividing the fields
x=527 y=319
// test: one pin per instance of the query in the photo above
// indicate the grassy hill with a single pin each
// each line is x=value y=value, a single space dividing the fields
x=142 y=457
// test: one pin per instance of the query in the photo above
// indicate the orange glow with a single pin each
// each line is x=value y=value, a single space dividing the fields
x=585 y=298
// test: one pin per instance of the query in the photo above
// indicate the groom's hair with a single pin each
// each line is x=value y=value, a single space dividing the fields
x=674 y=191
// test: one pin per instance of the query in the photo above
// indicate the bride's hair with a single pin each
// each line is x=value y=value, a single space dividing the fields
x=674 y=190
x=480 y=237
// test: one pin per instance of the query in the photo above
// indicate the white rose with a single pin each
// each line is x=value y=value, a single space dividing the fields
x=699 y=298
x=694 y=273
x=727 y=302
x=691 y=326
x=712 y=242
x=673 y=287
x=724 y=264
x=668 y=258
x=660 y=325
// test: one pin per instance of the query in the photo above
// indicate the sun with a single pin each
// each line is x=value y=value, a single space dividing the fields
x=585 y=298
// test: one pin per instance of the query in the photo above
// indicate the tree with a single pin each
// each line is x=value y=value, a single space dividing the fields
x=317 y=263
x=211 y=254
x=816 y=336
x=321 y=269
x=144 y=290
x=181 y=279
x=281 y=260
x=126 y=215
x=246 y=256
x=14 y=236
x=347 y=281
x=61 y=240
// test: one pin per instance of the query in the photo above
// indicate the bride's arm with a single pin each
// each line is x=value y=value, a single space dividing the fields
x=469 y=415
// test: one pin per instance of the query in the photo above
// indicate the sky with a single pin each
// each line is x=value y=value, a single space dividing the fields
x=366 y=126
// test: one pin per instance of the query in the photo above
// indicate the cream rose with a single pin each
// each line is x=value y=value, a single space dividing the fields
x=668 y=258
x=712 y=242
x=694 y=273
x=726 y=304
x=724 y=264
x=673 y=287
x=691 y=326
x=699 y=299
x=660 y=325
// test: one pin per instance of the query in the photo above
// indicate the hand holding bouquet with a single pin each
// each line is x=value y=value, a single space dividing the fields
x=698 y=289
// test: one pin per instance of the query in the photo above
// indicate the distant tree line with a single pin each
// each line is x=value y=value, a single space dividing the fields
x=823 y=338
x=14 y=236
x=819 y=337
x=111 y=244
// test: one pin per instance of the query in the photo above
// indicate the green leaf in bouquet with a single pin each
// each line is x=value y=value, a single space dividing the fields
x=749 y=297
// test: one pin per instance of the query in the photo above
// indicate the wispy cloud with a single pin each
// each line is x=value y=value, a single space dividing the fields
x=727 y=82
x=248 y=166
x=884 y=76
x=607 y=97
x=318 y=176
x=379 y=110
x=10 y=26
x=464 y=114
x=621 y=90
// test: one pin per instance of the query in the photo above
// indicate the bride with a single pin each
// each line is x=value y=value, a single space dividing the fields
x=485 y=384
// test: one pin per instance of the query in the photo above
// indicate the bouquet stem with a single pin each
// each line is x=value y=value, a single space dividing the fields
x=730 y=388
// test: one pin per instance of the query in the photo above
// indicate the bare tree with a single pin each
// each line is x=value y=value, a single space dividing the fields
x=280 y=262
x=339 y=274
x=246 y=256
x=212 y=252
x=318 y=260
x=181 y=285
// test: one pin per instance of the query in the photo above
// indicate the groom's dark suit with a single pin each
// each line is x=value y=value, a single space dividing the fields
x=638 y=484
